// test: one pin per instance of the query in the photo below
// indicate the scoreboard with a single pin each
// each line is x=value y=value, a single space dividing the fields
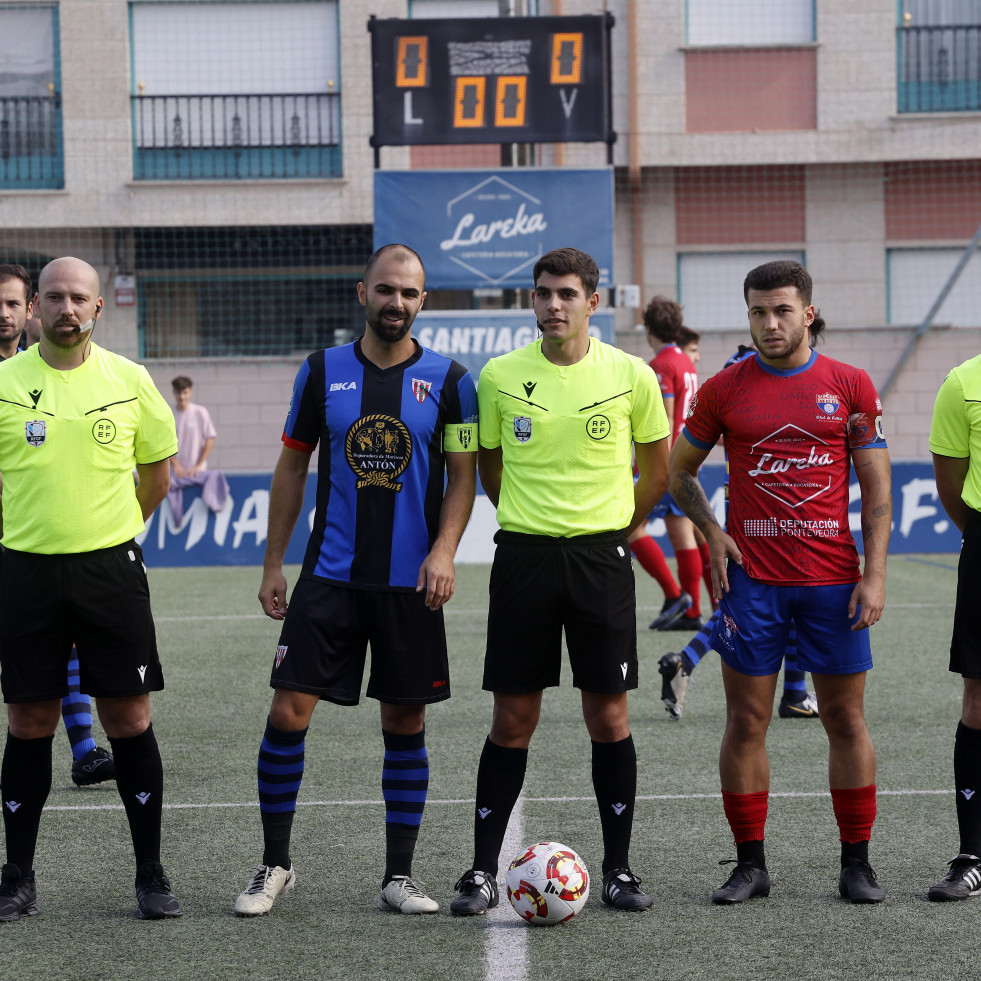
x=494 y=80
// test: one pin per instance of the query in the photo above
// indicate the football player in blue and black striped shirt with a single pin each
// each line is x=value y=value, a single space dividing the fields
x=397 y=430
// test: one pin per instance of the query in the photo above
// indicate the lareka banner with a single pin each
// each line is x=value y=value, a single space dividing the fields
x=487 y=228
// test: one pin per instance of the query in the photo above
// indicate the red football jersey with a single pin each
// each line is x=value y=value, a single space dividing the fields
x=678 y=380
x=789 y=436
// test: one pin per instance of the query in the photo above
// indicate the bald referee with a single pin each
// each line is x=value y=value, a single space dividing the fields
x=74 y=422
x=559 y=422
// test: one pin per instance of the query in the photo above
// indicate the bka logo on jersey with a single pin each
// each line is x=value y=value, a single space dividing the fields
x=104 y=431
x=522 y=429
x=465 y=434
x=378 y=448
x=828 y=403
x=343 y=386
x=420 y=389
x=280 y=654
x=36 y=432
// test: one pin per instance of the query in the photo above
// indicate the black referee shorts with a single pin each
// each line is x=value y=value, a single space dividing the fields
x=99 y=601
x=540 y=586
x=965 y=644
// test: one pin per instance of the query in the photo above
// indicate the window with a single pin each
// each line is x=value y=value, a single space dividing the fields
x=228 y=90
x=435 y=9
x=710 y=286
x=30 y=98
x=750 y=73
x=916 y=277
x=939 y=51
x=757 y=24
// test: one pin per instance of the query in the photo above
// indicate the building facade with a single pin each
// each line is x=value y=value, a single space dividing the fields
x=213 y=160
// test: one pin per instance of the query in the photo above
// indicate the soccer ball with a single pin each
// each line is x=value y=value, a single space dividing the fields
x=547 y=884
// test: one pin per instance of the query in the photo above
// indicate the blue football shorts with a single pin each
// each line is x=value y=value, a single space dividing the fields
x=665 y=506
x=756 y=618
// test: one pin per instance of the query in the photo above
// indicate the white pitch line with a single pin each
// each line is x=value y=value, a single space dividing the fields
x=515 y=830
x=506 y=940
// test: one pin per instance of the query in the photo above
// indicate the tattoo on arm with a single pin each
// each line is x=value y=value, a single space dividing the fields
x=881 y=510
x=692 y=500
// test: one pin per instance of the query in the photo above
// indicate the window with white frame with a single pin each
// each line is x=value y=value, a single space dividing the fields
x=916 y=279
x=240 y=76
x=710 y=286
x=758 y=24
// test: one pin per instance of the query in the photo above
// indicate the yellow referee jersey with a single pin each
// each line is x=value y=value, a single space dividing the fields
x=69 y=441
x=566 y=435
x=956 y=427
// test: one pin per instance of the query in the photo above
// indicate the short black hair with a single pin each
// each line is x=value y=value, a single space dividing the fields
x=13 y=270
x=779 y=273
x=569 y=262
x=182 y=382
x=392 y=247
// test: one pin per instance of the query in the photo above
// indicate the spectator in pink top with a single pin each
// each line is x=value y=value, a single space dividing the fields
x=195 y=438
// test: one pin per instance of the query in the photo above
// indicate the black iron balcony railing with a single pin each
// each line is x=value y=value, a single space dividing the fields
x=939 y=68
x=215 y=137
x=30 y=141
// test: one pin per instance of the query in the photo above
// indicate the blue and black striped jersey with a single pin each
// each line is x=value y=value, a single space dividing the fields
x=383 y=434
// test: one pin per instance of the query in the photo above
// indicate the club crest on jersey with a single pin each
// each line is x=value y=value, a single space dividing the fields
x=378 y=449
x=420 y=389
x=464 y=434
x=828 y=403
x=280 y=654
x=522 y=429
x=36 y=432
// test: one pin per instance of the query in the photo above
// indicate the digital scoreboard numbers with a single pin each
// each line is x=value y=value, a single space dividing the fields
x=496 y=80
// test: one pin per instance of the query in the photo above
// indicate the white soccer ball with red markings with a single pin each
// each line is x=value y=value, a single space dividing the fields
x=547 y=884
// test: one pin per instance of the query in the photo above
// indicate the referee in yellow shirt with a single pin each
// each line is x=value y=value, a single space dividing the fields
x=955 y=442
x=74 y=422
x=559 y=423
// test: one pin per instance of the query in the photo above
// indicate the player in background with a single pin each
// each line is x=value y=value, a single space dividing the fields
x=955 y=442
x=91 y=763
x=676 y=668
x=793 y=422
x=645 y=549
x=560 y=421
x=688 y=341
x=392 y=419
x=75 y=421
x=679 y=381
